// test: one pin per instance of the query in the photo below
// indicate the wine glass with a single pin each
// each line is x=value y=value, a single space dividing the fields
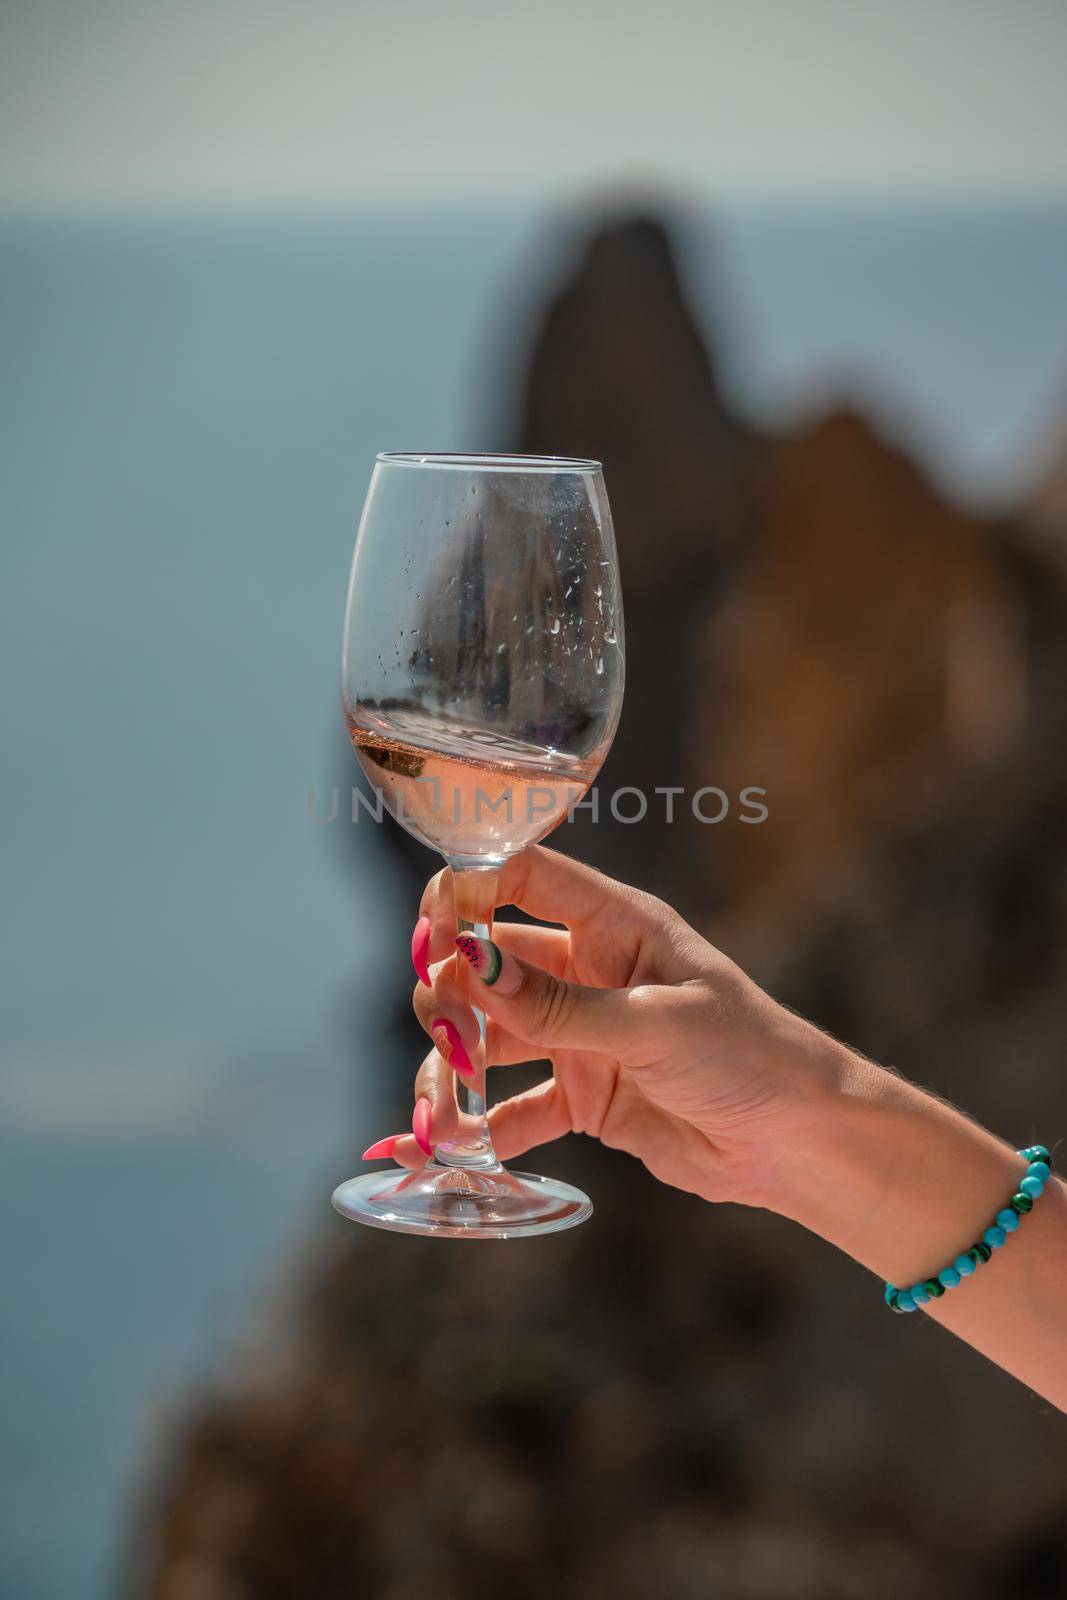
x=482 y=679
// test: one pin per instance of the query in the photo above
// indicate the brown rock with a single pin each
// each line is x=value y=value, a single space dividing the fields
x=866 y=667
x=1044 y=517
x=619 y=371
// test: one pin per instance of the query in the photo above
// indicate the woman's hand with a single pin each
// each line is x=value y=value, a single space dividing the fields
x=660 y=1046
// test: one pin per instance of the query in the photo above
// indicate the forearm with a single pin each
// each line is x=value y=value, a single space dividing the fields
x=904 y=1184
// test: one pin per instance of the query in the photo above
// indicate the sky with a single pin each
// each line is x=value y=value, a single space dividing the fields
x=228 y=101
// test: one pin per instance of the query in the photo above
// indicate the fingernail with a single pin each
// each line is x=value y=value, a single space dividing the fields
x=445 y=1036
x=493 y=966
x=384 y=1147
x=420 y=950
x=420 y=1126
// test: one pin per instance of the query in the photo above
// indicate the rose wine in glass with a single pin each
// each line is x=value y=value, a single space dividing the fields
x=482 y=679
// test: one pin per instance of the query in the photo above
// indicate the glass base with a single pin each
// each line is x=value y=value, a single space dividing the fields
x=458 y=1203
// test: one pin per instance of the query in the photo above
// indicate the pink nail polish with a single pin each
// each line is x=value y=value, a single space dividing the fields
x=420 y=950
x=384 y=1147
x=445 y=1036
x=420 y=1126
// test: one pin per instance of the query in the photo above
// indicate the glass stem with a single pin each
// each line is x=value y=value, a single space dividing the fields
x=474 y=894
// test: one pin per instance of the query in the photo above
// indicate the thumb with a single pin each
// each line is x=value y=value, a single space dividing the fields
x=544 y=1010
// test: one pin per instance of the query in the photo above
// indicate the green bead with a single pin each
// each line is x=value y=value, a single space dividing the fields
x=891 y=1298
x=934 y=1288
x=979 y=1252
x=1022 y=1203
x=1038 y=1152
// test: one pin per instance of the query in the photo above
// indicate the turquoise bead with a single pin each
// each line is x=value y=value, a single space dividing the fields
x=964 y=1266
x=949 y=1277
x=994 y=1237
x=900 y=1300
x=918 y=1294
x=1038 y=1169
x=1032 y=1186
x=1008 y=1219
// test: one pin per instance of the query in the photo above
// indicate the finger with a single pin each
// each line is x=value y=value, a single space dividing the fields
x=547 y=948
x=436 y=1115
x=536 y=1117
x=549 y=1012
x=447 y=1000
x=557 y=888
x=431 y=941
x=515 y=1125
x=420 y=949
x=435 y=1118
x=436 y=926
x=548 y=885
x=504 y=1049
x=445 y=1013
x=398 y=1147
x=672 y=1149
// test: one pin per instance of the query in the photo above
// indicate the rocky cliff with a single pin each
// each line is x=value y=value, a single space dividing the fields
x=676 y=1399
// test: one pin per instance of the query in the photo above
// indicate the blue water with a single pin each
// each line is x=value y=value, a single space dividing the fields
x=190 y=409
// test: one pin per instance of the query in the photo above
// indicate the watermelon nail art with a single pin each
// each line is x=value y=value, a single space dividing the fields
x=493 y=966
x=482 y=955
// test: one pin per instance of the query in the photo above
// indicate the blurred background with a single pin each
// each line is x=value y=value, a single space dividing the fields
x=797 y=274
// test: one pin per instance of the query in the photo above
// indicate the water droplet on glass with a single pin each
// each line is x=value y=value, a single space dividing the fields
x=599 y=665
x=555 y=626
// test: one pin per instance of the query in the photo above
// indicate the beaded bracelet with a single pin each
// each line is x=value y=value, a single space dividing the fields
x=1038 y=1172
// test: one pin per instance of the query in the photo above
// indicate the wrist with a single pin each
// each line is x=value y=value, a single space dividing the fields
x=890 y=1174
x=835 y=1095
